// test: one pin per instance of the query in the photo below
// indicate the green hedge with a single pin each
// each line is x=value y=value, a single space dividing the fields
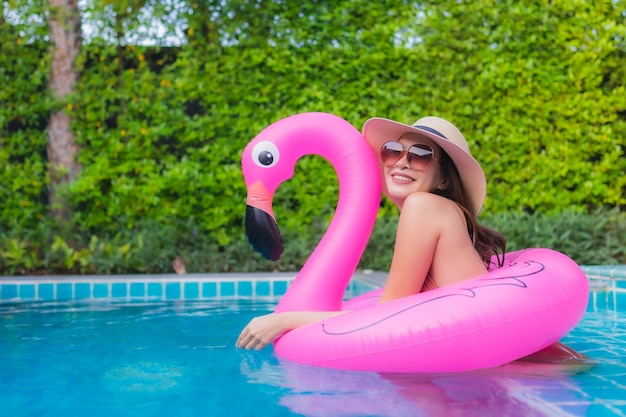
x=24 y=111
x=537 y=87
x=151 y=246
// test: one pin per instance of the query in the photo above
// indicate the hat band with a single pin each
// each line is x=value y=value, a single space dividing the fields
x=431 y=130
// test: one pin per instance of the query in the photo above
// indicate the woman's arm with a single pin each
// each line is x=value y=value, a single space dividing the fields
x=416 y=240
x=263 y=330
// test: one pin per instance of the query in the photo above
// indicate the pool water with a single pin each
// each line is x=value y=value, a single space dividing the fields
x=177 y=358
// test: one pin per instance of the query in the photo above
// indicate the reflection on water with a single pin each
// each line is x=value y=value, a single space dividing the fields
x=516 y=389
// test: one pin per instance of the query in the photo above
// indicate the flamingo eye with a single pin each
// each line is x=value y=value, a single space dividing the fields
x=265 y=154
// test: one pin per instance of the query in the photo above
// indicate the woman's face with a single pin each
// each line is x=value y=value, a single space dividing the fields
x=402 y=180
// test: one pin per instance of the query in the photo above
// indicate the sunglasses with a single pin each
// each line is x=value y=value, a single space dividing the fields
x=419 y=156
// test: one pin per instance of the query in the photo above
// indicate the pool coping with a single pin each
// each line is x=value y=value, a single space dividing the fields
x=607 y=286
x=193 y=286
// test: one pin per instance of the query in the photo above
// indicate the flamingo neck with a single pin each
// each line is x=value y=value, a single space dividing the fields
x=321 y=283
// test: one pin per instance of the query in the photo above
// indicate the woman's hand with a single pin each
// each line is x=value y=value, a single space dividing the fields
x=261 y=331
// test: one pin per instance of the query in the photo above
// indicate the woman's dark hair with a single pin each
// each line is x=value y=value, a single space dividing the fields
x=487 y=241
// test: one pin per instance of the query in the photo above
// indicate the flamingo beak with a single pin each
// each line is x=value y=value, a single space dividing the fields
x=263 y=233
x=261 y=227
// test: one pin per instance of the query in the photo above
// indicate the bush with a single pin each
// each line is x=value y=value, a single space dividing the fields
x=537 y=88
x=151 y=246
x=595 y=238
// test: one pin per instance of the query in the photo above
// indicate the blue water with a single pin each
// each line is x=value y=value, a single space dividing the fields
x=178 y=359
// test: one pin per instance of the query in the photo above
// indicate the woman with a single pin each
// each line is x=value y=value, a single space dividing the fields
x=429 y=173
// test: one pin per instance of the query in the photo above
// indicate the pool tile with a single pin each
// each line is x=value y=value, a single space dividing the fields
x=609 y=271
x=209 y=289
x=620 y=301
x=172 y=290
x=45 y=292
x=155 y=289
x=280 y=288
x=8 y=291
x=138 y=289
x=262 y=288
x=227 y=289
x=118 y=290
x=609 y=291
x=601 y=301
x=244 y=288
x=64 y=291
x=192 y=290
x=100 y=290
x=82 y=290
x=27 y=291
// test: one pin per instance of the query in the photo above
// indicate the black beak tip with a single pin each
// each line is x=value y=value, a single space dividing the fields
x=263 y=234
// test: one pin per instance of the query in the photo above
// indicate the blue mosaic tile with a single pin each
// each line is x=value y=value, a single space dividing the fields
x=280 y=287
x=244 y=288
x=609 y=271
x=227 y=289
x=138 y=289
x=155 y=289
x=118 y=290
x=100 y=290
x=618 y=271
x=620 y=301
x=64 y=291
x=267 y=286
x=82 y=290
x=192 y=290
x=45 y=292
x=172 y=290
x=209 y=289
x=8 y=291
x=263 y=288
x=27 y=291
x=360 y=288
x=599 y=301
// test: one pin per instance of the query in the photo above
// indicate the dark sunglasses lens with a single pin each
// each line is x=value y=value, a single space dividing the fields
x=420 y=156
x=390 y=153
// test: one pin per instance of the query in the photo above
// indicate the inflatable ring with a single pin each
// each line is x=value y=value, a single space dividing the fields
x=532 y=301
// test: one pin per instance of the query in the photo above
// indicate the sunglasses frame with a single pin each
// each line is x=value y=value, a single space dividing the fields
x=409 y=155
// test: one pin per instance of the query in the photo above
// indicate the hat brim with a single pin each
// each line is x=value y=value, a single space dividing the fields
x=377 y=131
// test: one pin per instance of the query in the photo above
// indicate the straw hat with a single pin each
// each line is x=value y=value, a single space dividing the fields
x=377 y=131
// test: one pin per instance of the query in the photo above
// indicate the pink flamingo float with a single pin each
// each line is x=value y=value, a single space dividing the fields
x=528 y=304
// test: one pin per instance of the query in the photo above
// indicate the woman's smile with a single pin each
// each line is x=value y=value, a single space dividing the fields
x=401 y=178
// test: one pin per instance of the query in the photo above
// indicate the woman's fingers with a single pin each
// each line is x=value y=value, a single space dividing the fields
x=249 y=341
x=260 y=332
x=244 y=338
x=255 y=344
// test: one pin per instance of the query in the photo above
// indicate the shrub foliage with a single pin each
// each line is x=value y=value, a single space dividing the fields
x=537 y=87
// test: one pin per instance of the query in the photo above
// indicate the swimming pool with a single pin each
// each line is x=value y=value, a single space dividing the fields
x=152 y=346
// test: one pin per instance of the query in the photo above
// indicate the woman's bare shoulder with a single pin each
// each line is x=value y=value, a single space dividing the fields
x=424 y=202
x=432 y=211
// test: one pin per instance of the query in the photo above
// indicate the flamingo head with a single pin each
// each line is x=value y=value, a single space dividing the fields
x=268 y=160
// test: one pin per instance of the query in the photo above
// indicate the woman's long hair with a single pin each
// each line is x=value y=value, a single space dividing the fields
x=487 y=241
